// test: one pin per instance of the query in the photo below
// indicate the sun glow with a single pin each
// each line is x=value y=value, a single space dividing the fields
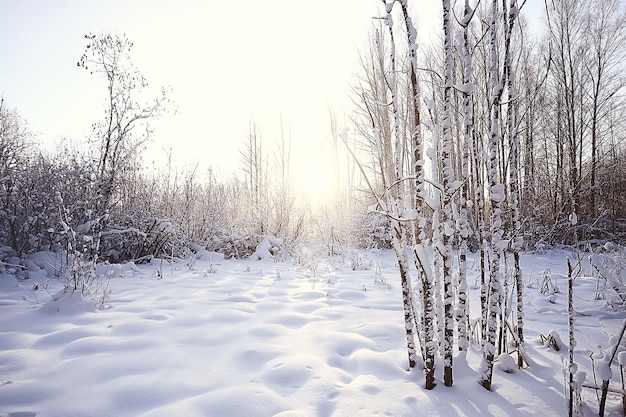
x=316 y=179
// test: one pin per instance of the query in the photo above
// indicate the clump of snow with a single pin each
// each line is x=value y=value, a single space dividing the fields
x=603 y=368
x=270 y=248
x=166 y=227
x=68 y=303
x=506 y=363
x=553 y=340
x=621 y=358
x=555 y=335
x=579 y=380
x=412 y=214
x=497 y=193
x=467 y=88
x=50 y=262
x=263 y=250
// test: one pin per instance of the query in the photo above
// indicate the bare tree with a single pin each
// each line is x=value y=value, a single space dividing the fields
x=14 y=155
x=255 y=170
x=126 y=126
x=605 y=65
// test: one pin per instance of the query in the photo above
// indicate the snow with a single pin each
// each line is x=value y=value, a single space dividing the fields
x=603 y=369
x=498 y=193
x=506 y=363
x=274 y=338
x=467 y=88
x=412 y=214
x=430 y=104
x=497 y=89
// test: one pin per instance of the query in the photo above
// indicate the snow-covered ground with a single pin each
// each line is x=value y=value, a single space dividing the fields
x=259 y=338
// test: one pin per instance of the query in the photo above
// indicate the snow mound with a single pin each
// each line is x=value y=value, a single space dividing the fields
x=270 y=248
x=69 y=303
x=506 y=363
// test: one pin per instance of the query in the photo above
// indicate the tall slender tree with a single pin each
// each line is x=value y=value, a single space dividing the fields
x=496 y=197
x=462 y=314
x=421 y=257
x=449 y=187
x=515 y=226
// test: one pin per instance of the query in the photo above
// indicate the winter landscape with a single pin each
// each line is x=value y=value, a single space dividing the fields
x=416 y=211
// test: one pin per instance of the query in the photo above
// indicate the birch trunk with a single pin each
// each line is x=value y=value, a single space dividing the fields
x=462 y=312
x=447 y=223
x=516 y=238
x=420 y=255
x=572 y=340
x=496 y=197
x=395 y=191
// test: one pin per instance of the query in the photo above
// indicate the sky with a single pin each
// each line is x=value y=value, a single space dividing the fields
x=226 y=63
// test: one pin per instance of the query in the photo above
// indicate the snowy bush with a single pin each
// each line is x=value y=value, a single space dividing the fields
x=371 y=231
x=138 y=238
x=609 y=264
x=234 y=246
x=549 y=285
x=360 y=261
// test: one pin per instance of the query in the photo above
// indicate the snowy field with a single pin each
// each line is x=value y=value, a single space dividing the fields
x=259 y=338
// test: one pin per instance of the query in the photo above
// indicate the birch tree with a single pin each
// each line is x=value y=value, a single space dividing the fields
x=380 y=110
x=496 y=190
x=516 y=239
x=395 y=191
x=420 y=255
x=463 y=47
x=449 y=187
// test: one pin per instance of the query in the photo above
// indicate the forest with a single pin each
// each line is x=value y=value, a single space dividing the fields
x=491 y=141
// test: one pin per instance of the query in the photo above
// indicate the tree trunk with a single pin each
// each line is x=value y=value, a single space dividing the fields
x=447 y=221
x=496 y=197
x=420 y=255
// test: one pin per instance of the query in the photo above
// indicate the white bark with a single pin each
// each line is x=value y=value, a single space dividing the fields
x=496 y=198
x=395 y=191
x=446 y=221
x=516 y=225
x=462 y=310
x=420 y=255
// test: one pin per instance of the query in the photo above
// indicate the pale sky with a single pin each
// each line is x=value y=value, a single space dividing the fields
x=226 y=61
